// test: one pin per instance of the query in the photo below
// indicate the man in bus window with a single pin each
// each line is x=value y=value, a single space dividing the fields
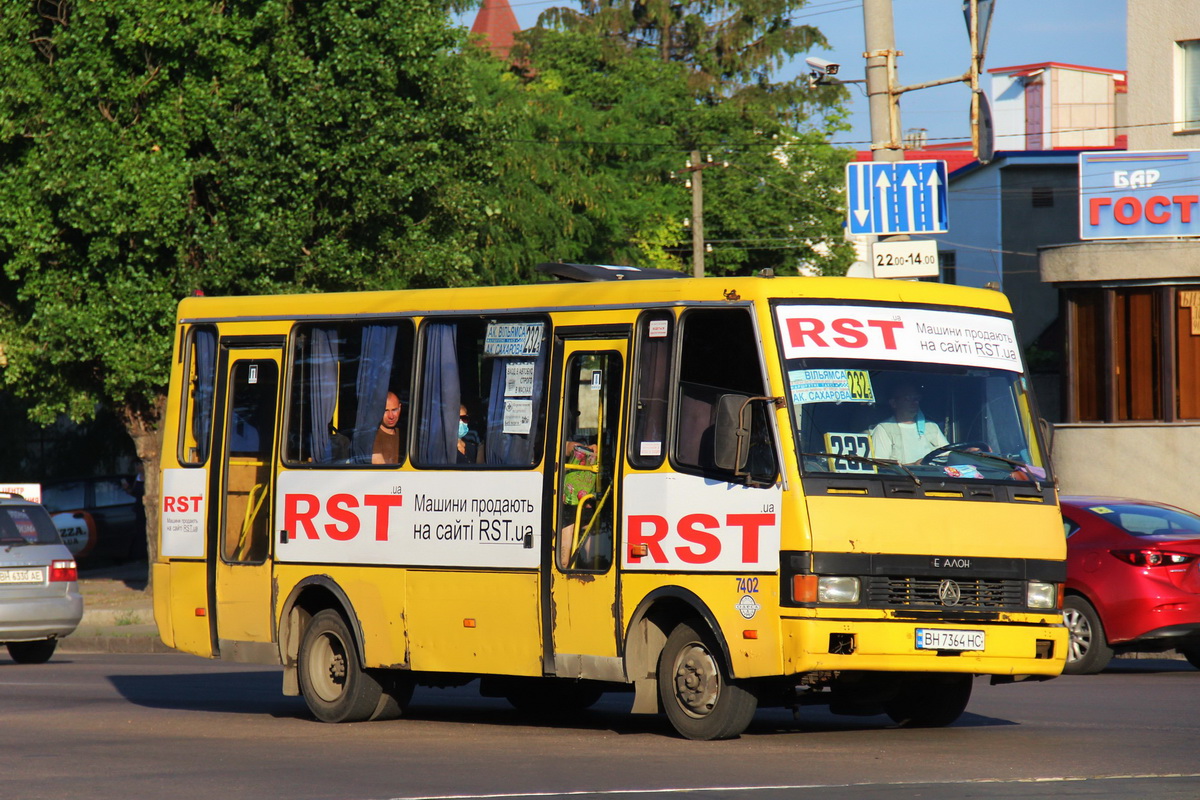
x=906 y=436
x=387 y=438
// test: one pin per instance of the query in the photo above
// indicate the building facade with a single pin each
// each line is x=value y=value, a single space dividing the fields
x=1131 y=307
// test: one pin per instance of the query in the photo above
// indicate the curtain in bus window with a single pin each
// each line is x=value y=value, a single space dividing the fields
x=512 y=448
x=441 y=395
x=374 y=373
x=323 y=376
x=206 y=375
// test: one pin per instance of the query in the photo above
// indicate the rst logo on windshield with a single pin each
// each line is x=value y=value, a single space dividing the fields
x=842 y=332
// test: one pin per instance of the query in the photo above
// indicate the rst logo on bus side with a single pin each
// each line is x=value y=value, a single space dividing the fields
x=685 y=523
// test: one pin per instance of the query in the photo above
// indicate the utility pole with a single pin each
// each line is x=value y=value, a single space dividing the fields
x=882 y=103
x=697 y=171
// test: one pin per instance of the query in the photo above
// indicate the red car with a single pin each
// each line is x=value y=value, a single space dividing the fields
x=1133 y=580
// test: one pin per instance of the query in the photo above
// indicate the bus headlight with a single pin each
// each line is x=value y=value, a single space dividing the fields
x=1041 y=595
x=837 y=589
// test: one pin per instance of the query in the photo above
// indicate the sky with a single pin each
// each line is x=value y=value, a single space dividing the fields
x=932 y=34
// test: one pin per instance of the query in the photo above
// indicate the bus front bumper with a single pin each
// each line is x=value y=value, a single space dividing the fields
x=1035 y=645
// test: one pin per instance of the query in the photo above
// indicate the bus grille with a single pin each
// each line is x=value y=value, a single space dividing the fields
x=923 y=592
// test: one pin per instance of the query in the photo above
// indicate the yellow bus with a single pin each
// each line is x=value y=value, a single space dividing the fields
x=717 y=494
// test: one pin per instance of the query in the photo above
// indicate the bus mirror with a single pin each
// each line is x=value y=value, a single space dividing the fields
x=731 y=439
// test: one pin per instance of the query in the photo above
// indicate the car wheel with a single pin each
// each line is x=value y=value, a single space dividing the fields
x=696 y=693
x=332 y=680
x=1192 y=654
x=38 y=652
x=930 y=701
x=1087 y=651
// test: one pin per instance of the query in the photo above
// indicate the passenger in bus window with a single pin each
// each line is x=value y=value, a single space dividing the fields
x=906 y=436
x=388 y=437
x=470 y=448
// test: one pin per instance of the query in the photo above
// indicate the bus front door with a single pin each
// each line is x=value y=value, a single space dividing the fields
x=583 y=578
x=239 y=582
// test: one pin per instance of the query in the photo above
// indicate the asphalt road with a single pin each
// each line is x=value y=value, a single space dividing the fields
x=174 y=726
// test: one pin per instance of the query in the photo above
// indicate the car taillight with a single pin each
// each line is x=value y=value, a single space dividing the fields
x=63 y=571
x=1153 y=558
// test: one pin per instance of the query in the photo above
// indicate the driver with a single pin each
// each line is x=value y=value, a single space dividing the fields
x=906 y=436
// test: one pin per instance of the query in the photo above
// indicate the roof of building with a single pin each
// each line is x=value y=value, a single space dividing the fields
x=497 y=23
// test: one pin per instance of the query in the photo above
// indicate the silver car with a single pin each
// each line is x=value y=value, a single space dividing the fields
x=39 y=596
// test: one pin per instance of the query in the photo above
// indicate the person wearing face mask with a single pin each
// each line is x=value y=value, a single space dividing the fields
x=470 y=448
x=906 y=436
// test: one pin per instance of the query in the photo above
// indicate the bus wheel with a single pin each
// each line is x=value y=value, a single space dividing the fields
x=698 y=697
x=333 y=682
x=38 y=652
x=930 y=701
x=397 y=691
x=1087 y=650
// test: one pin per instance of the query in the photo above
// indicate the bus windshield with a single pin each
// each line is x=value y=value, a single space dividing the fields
x=909 y=392
x=913 y=419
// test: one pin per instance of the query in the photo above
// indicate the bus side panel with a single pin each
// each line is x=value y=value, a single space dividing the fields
x=180 y=590
x=485 y=623
x=376 y=596
x=744 y=609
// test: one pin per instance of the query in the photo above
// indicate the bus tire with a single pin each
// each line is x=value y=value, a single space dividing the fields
x=1087 y=649
x=38 y=652
x=332 y=680
x=397 y=691
x=930 y=701
x=697 y=694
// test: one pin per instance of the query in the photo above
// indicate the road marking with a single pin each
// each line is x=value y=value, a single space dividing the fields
x=789 y=787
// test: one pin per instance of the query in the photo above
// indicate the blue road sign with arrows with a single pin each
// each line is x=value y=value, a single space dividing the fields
x=886 y=197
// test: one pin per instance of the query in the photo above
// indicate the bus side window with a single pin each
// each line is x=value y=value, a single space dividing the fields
x=718 y=356
x=200 y=366
x=652 y=378
x=342 y=376
x=482 y=391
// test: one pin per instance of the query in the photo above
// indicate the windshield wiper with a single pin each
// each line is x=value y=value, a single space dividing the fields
x=886 y=462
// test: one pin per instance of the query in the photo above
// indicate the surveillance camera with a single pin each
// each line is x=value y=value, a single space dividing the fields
x=822 y=66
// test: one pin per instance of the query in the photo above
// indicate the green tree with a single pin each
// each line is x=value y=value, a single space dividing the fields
x=585 y=172
x=601 y=125
x=150 y=149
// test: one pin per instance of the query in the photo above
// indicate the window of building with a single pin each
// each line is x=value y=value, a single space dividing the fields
x=1042 y=197
x=482 y=391
x=948 y=266
x=349 y=399
x=1133 y=354
x=1188 y=90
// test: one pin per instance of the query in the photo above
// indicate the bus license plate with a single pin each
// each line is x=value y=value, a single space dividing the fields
x=943 y=639
x=22 y=575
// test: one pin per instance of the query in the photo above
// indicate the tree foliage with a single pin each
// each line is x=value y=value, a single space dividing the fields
x=598 y=130
x=729 y=46
x=153 y=148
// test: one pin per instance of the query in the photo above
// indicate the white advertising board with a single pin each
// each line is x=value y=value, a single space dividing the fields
x=450 y=519
x=898 y=334
x=182 y=511
x=685 y=523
